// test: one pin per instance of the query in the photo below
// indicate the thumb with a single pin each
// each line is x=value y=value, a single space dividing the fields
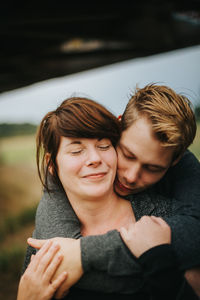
x=123 y=231
x=36 y=243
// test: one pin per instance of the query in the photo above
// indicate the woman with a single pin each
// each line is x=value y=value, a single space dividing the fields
x=77 y=143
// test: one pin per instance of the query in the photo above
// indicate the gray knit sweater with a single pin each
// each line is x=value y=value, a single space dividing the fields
x=107 y=262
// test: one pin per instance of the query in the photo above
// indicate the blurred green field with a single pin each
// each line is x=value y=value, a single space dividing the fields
x=18 y=150
x=20 y=192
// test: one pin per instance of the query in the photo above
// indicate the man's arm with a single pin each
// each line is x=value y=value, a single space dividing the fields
x=184 y=220
x=114 y=257
x=149 y=240
x=183 y=185
x=54 y=217
x=163 y=278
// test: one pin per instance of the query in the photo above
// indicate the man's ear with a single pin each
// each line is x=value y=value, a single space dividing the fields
x=176 y=160
x=47 y=159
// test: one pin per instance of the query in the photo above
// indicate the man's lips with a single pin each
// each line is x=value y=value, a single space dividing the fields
x=122 y=187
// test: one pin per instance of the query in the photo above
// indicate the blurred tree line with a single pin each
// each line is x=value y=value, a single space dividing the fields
x=197 y=112
x=8 y=129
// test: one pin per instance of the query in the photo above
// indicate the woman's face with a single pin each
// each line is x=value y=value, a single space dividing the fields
x=86 y=167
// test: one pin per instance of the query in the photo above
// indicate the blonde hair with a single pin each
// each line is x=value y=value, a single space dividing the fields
x=171 y=115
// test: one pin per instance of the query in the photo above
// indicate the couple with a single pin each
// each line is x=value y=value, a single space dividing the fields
x=155 y=172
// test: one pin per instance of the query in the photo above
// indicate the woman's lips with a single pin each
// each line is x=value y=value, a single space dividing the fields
x=95 y=175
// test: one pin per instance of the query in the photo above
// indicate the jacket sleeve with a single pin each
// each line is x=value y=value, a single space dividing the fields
x=54 y=218
x=185 y=219
x=162 y=276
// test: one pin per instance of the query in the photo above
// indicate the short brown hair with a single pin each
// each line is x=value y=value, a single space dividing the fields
x=171 y=115
x=75 y=117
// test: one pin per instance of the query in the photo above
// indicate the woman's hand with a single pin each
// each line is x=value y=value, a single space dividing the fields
x=148 y=232
x=71 y=251
x=37 y=282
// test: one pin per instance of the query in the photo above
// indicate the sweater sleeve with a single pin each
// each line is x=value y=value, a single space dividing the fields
x=162 y=276
x=185 y=185
x=56 y=218
x=185 y=218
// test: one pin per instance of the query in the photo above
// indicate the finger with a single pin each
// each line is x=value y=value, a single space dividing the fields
x=159 y=221
x=47 y=258
x=32 y=256
x=123 y=231
x=60 y=293
x=36 y=261
x=35 y=243
x=53 y=266
x=58 y=281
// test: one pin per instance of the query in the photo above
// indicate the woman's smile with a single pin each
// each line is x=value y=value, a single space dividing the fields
x=95 y=175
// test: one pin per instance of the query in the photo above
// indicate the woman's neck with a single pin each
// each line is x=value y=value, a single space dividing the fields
x=97 y=216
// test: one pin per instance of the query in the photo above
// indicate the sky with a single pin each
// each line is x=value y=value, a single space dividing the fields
x=110 y=85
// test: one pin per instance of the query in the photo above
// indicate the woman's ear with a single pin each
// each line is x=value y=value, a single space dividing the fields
x=47 y=159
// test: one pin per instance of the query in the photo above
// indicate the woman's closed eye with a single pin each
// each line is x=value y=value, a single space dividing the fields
x=104 y=147
x=76 y=151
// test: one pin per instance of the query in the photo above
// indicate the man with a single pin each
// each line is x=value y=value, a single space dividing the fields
x=158 y=126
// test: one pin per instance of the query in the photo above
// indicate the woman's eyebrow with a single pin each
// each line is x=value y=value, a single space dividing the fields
x=74 y=143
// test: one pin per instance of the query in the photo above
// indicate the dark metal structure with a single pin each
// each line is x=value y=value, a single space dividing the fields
x=45 y=40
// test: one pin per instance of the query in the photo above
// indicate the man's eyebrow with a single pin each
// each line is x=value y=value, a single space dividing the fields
x=157 y=166
x=126 y=148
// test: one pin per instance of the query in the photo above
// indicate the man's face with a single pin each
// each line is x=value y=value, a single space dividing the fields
x=142 y=160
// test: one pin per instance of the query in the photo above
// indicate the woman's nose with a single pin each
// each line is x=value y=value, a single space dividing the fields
x=93 y=157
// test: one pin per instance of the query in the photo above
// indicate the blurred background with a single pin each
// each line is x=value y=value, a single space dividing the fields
x=52 y=51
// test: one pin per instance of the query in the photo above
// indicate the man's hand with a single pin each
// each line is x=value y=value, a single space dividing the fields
x=146 y=233
x=71 y=263
x=193 y=278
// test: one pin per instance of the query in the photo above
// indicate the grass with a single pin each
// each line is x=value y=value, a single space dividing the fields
x=18 y=150
x=12 y=224
x=20 y=191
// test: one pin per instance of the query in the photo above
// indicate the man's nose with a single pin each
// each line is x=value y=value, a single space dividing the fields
x=133 y=173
